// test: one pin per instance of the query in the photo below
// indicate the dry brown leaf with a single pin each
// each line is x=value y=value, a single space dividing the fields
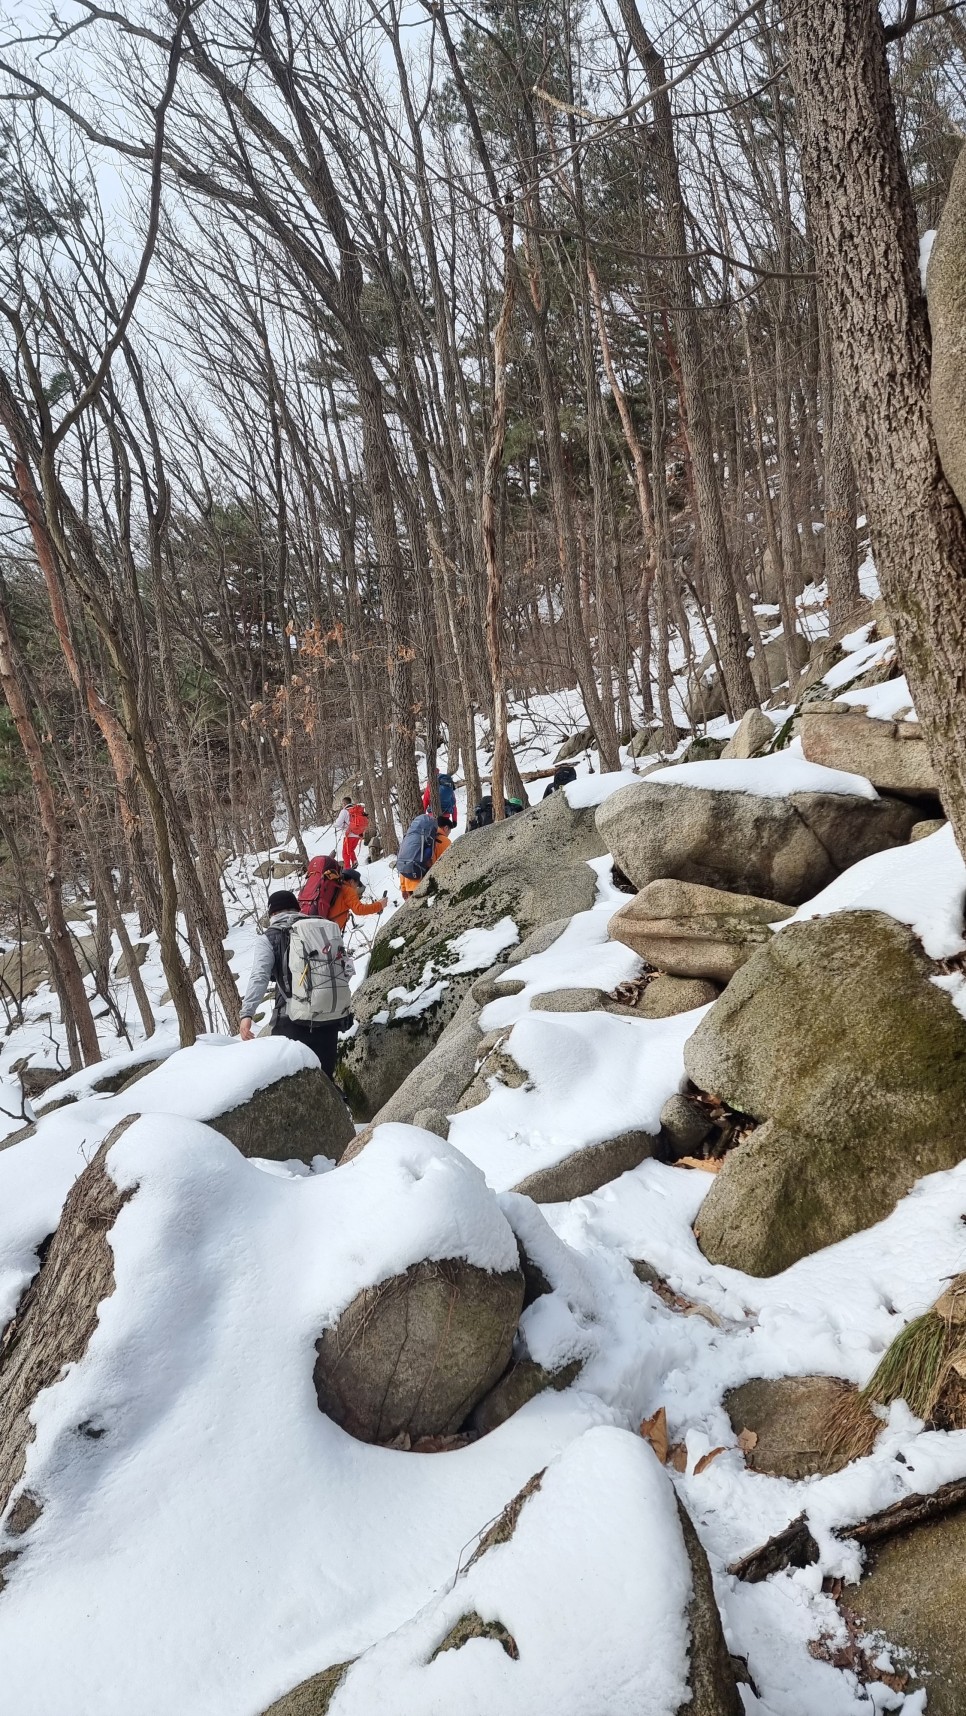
x=706 y=1460
x=678 y=1457
x=654 y=1430
x=707 y=1164
x=747 y=1440
x=696 y=1309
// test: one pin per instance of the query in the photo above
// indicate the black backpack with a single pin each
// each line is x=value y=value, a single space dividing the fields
x=561 y=777
x=483 y=814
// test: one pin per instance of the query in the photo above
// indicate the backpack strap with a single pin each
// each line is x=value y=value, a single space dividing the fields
x=279 y=939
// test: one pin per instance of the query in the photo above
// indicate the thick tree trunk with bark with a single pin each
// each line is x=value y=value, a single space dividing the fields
x=863 y=224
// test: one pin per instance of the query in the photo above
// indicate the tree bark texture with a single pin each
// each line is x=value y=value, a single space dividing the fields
x=863 y=224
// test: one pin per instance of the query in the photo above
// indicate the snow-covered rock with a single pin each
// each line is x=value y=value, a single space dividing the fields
x=414 y=1351
x=892 y=754
x=494 y=885
x=589 y=1596
x=777 y=827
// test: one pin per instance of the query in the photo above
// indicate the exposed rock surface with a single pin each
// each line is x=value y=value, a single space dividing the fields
x=891 y=754
x=784 y=849
x=691 y=931
x=523 y=1381
x=915 y=1594
x=55 y=1319
x=755 y=733
x=576 y=743
x=713 y=1688
x=667 y=996
x=139 y=953
x=684 y=1125
x=531 y=869
x=834 y=1037
x=413 y=1355
x=703 y=749
x=311 y=1697
x=296 y=1118
x=790 y=1417
x=585 y=1171
x=24 y=970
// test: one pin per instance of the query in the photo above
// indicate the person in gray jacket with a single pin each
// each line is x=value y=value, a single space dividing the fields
x=270 y=963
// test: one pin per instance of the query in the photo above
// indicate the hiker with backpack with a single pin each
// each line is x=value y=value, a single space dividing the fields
x=306 y=959
x=447 y=798
x=331 y=892
x=562 y=777
x=483 y=814
x=352 y=823
x=424 y=841
x=348 y=901
x=323 y=880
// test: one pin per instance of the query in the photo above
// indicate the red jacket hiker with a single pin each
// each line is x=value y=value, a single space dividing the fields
x=352 y=823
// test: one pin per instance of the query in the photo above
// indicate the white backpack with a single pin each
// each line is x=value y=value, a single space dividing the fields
x=319 y=971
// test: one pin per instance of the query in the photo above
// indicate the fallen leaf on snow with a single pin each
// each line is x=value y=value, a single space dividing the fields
x=654 y=1430
x=706 y=1460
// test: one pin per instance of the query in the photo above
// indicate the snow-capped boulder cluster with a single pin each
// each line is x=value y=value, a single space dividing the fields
x=444 y=1399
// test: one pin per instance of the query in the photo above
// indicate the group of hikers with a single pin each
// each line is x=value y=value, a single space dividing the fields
x=303 y=951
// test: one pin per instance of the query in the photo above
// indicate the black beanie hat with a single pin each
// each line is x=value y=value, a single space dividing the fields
x=283 y=900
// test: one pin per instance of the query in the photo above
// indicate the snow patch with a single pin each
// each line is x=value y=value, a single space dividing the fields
x=776 y=776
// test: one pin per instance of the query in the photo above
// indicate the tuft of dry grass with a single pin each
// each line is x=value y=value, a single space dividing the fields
x=925 y=1366
x=849 y=1429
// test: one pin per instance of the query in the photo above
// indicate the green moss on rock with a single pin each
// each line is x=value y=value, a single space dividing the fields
x=834 y=1036
x=382 y=956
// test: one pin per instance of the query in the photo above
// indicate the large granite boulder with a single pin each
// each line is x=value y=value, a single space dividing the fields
x=270 y=1097
x=834 y=1037
x=52 y=1328
x=439 y=1080
x=914 y=1594
x=413 y=1355
x=891 y=754
x=780 y=848
x=519 y=874
x=297 y=1118
x=515 y=1630
x=689 y=931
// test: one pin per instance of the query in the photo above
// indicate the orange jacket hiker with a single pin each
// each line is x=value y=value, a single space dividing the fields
x=409 y=884
x=349 y=900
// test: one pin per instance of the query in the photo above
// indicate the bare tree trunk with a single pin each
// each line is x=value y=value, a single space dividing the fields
x=737 y=681
x=60 y=941
x=494 y=563
x=863 y=224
